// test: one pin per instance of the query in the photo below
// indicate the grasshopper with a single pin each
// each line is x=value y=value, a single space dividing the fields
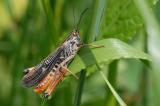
x=47 y=74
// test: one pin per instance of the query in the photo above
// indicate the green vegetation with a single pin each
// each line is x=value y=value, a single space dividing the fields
x=125 y=71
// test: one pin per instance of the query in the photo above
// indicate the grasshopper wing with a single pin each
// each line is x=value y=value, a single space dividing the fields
x=35 y=74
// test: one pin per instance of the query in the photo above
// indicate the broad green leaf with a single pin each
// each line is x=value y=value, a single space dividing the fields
x=122 y=19
x=113 y=49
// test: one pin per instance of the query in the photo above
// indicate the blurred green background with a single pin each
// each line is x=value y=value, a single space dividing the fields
x=31 y=29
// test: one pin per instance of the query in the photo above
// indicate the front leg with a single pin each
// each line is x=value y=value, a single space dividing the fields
x=65 y=68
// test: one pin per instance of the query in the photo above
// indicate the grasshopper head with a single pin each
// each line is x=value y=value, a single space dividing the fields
x=76 y=40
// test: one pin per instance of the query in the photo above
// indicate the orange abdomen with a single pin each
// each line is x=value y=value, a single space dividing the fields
x=44 y=83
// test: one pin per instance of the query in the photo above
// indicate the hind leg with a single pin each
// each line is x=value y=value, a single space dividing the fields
x=44 y=83
x=59 y=75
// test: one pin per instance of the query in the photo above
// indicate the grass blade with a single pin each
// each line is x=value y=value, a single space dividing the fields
x=118 y=98
x=80 y=88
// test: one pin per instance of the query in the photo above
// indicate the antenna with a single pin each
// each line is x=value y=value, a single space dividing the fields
x=81 y=18
x=74 y=17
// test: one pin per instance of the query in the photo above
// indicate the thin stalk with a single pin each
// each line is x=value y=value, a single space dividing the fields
x=111 y=88
x=80 y=88
x=118 y=98
x=91 y=35
x=152 y=28
x=144 y=77
x=50 y=20
x=112 y=75
x=17 y=60
x=8 y=5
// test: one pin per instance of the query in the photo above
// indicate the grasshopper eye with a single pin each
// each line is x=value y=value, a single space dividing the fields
x=26 y=71
x=74 y=33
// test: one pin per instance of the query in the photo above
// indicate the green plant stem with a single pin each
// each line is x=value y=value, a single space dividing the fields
x=50 y=20
x=91 y=36
x=112 y=75
x=18 y=59
x=80 y=88
x=145 y=75
x=8 y=5
x=118 y=98
x=152 y=28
